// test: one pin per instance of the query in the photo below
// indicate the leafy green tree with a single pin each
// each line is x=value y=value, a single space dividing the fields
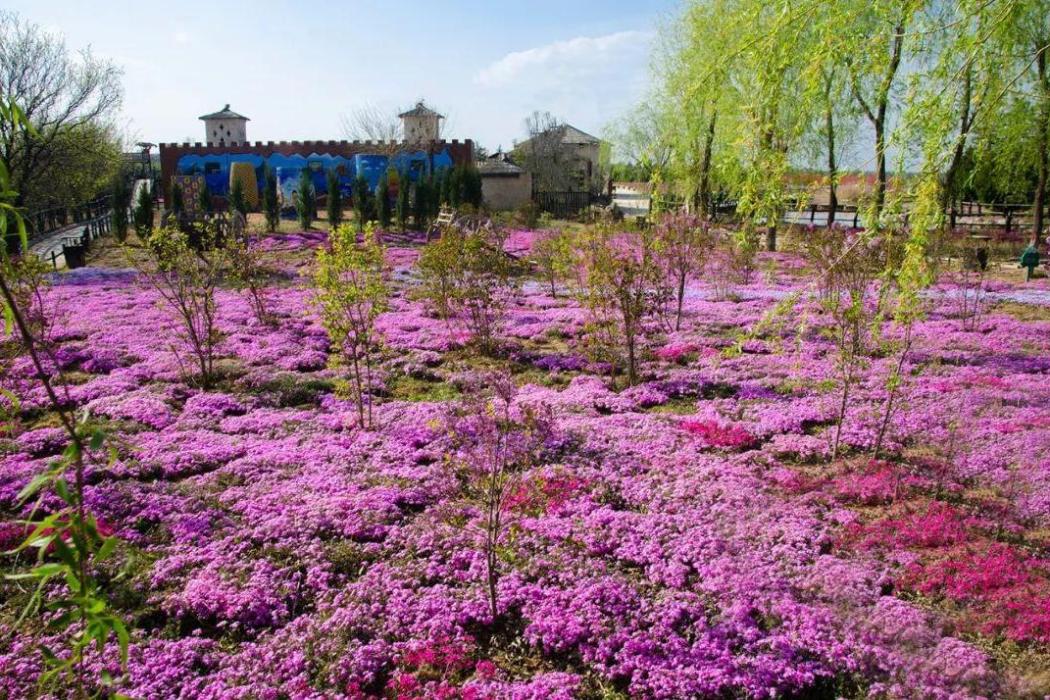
x=305 y=204
x=434 y=188
x=185 y=269
x=249 y=276
x=271 y=203
x=237 y=201
x=383 y=212
x=205 y=200
x=455 y=187
x=121 y=195
x=621 y=283
x=874 y=65
x=143 y=216
x=466 y=276
x=351 y=292
x=682 y=244
x=421 y=202
x=67 y=540
x=404 y=199
x=335 y=200
x=362 y=202
x=552 y=253
x=71 y=99
x=471 y=185
x=446 y=186
x=177 y=204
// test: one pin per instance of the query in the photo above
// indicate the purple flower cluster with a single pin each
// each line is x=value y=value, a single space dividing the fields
x=686 y=537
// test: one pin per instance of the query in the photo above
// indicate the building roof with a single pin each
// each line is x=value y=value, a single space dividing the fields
x=499 y=156
x=421 y=110
x=571 y=136
x=225 y=113
x=490 y=167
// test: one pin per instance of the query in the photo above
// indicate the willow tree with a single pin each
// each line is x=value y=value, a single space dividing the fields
x=697 y=100
x=874 y=48
x=775 y=108
x=1026 y=125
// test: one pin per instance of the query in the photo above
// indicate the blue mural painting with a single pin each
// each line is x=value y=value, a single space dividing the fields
x=216 y=168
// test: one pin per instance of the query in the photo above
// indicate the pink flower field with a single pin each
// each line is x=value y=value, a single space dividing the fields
x=689 y=536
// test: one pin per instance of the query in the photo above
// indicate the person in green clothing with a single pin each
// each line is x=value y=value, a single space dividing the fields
x=1029 y=261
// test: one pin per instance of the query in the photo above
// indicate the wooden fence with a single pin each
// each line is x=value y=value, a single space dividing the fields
x=563 y=205
x=75 y=245
x=43 y=222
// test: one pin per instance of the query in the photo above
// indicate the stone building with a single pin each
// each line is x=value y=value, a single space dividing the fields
x=225 y=128
x=421 y=124
x=504 y=185
x=564 y=159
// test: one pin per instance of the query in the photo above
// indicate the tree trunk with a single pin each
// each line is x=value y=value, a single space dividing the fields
x=705 y=169
x=948 y=193
x=895 y=383
x=632 y=377
x=833 y=188
x=1043 y=145
x=833 y=173
x=880 y=164
x=681 y=297
x=877 y=117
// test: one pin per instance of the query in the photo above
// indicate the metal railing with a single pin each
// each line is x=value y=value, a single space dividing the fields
x=43 y=222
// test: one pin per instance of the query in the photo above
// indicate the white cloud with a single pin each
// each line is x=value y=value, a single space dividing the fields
x=587 y=81
x=181 y=36
x=565 y=61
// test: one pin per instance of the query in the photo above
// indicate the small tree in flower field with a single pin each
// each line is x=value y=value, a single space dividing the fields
x=466 y=274
x=351 y=292
x=186 y=276
x=552 y=253
x=494 y=444
x=683 y=241
x=249 y=276
x=621 y=286
x=486 y=283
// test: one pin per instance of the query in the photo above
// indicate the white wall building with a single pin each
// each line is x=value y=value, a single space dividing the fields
x=225 y=128
x=421 y=124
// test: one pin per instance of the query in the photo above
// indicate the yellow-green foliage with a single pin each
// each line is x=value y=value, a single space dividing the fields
x=351 y=291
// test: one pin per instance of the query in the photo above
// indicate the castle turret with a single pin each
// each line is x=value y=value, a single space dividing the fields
x=225 y=128
x=421 y=124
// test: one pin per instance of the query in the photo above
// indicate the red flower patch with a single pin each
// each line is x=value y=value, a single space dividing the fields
x=939 y=525
x=718 y=434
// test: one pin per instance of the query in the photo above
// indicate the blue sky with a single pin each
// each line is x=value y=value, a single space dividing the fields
x=295 y=67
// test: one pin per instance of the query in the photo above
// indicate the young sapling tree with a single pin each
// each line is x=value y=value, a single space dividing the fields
x=351 y=292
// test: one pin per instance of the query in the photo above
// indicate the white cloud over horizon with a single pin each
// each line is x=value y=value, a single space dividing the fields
x=574 y=57
x=586 y=80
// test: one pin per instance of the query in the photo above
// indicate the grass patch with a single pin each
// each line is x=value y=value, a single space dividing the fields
x=682 y=406
x=406 y=388
x=1023 y=312
x=291 y=390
